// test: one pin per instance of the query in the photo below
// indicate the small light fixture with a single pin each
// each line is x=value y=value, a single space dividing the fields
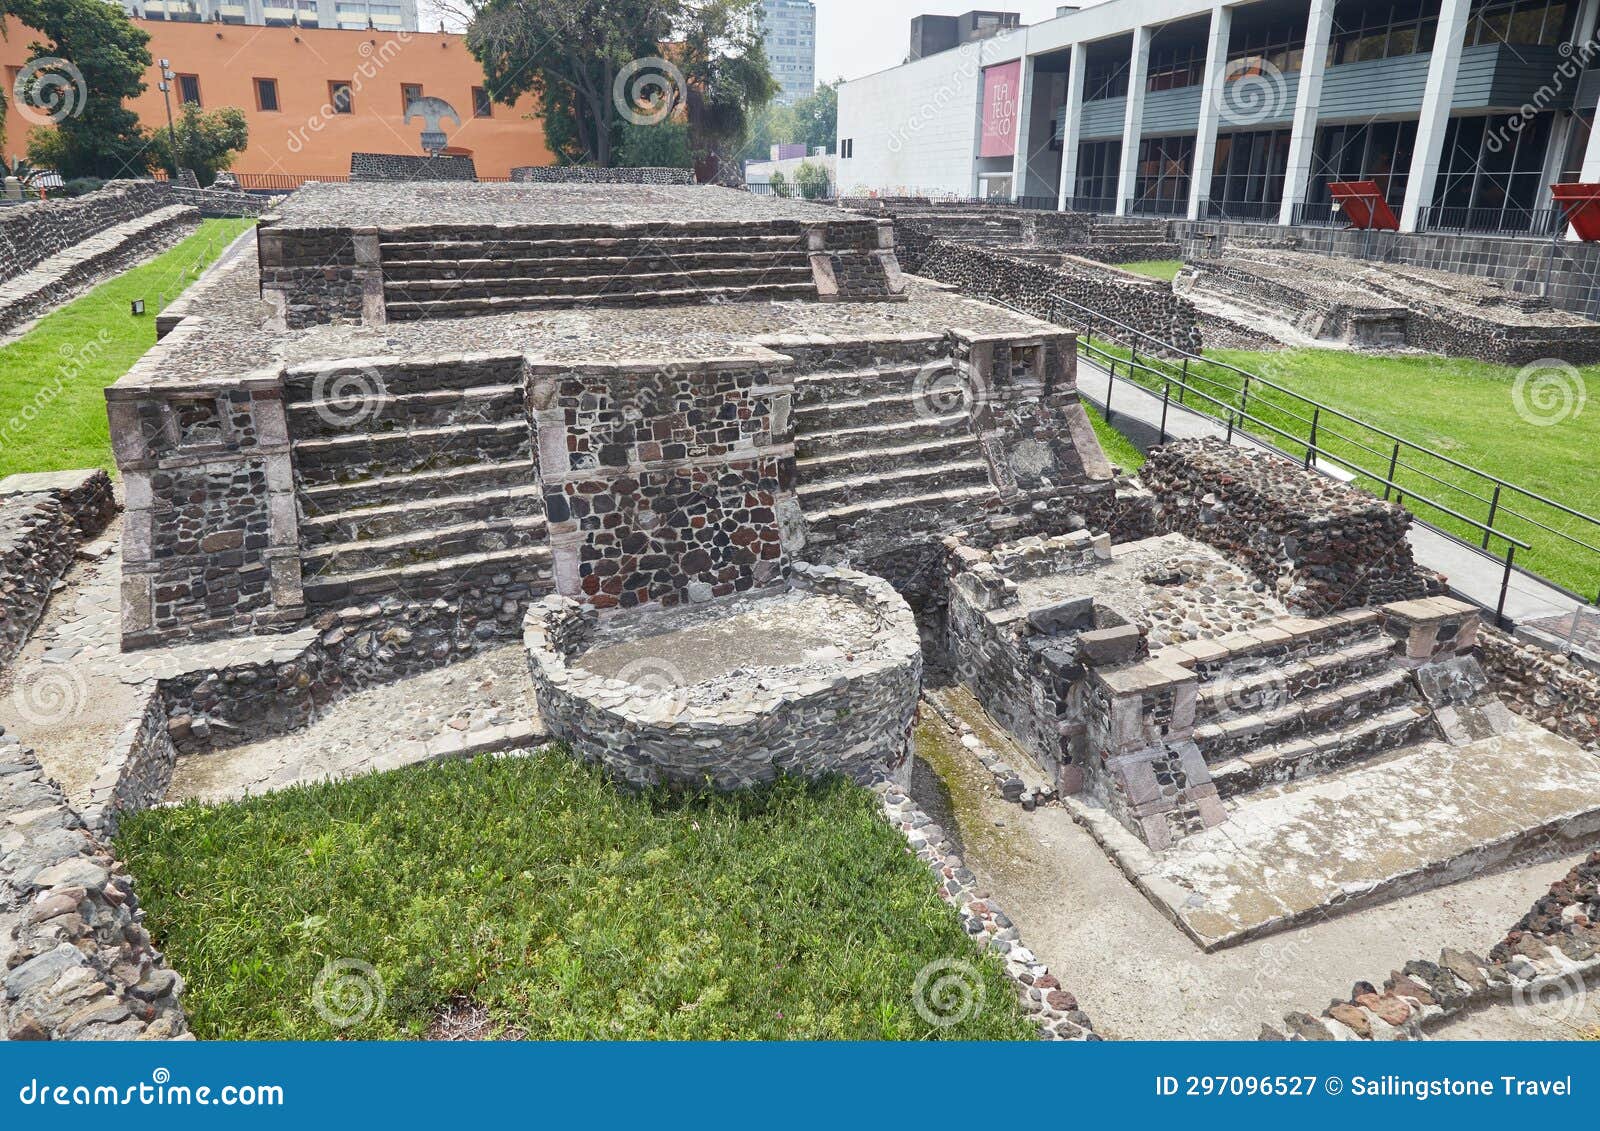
x=138 y=307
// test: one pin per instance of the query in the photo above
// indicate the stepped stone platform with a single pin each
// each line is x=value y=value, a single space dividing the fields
x=1306 y=299
x=1428 y=815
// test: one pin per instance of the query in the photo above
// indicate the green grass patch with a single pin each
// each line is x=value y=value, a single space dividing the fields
x=1118 y=448
x=52 y=401
x=1166 y=269
x=1462 y=409
x=567 y=908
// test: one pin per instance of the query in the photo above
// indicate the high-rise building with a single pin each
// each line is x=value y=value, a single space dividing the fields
x=791 y=27
x=351 y=15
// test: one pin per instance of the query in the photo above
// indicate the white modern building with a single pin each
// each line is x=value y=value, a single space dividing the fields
x=382 y=15
x=791 y=28
x=1463 y=112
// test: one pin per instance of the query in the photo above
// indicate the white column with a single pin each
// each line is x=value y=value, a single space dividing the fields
x=1211 y=97
x=1072 y=124
x=1435 y=118
x=1019 y=159
x=1307 y=99
x=1583 y=30
x=1133 y=119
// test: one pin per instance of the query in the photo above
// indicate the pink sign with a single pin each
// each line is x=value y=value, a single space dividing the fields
x=1002 y=95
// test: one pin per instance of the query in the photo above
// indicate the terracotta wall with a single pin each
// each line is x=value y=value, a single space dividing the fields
x=300 y=137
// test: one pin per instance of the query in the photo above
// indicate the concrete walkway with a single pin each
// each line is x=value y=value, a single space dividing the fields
x=1472 y=574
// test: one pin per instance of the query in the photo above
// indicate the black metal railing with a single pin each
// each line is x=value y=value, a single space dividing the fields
x=791 y=190
x=1102 y=205
x=1319 y=214
x=1438 y=489
x=1038 y=203
x=1243 y=209
x=1158 y=206
x=1537 y=222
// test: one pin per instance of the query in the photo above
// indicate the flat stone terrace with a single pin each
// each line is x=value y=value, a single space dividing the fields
x=231 y=332
x=371 y=205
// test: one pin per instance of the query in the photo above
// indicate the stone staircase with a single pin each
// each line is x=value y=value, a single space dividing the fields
x=434 y=273
x=880 y=453
x=414 y=479
x=1300 y=698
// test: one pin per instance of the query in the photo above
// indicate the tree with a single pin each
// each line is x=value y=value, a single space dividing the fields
x=96 y=60
x=780 y=184
x=600 y=67
x=812 y=180
x=206 y=141
x=664 y=145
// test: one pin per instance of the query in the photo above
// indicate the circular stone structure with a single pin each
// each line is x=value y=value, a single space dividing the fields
x=814 y=676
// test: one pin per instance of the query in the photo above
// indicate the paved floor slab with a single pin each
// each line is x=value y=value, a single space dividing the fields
x=1429 y=815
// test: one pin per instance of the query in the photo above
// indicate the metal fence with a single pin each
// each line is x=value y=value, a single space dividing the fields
x=1503 y=221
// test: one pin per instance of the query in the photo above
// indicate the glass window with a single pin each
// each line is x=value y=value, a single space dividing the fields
x=189 y=88
x=482 y=106
x=409 y=93
x=340 y=97
x=267 y=95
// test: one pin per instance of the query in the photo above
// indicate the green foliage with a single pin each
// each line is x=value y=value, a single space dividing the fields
x=812 y=181
x=565 y=907
x=812 y=121
x=52 y=401
x=82 y=186
x=207 y=141
x=664 y=145
x=101 y=137
x=780 y=185
x=1120 y=450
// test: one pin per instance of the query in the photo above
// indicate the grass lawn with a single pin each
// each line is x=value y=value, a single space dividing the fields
x=52 y=408
x=566 y=908
x=1118 y=448
x=1156 y=268
x=1460 y=408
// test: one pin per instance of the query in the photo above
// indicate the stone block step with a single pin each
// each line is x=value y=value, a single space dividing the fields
x=1247 y=682
x=1324 y=751
x=386 y=412
x=465 y=308
x=394 y=376
x=735 y=240
x=623 y=282
x=421 y=486
x=848 y=490
x=532 y=267
x=863 y=460
x=414 y=547
x=899 y=515
x=322 y=528
x=830 y=355
x=361 y=456
x=816 y=390
x=423 y=581
x=1333 y=708
x=876 y=412
x=916 y=431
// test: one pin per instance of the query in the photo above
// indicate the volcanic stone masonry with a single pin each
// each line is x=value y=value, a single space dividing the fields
x=44 y=517
x=589 y=175
x=411 y=167
x=1318 y=545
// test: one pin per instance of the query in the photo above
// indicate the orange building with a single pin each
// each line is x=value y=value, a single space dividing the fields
x=314 y=96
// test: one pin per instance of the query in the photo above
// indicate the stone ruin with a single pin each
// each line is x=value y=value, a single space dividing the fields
x=1301 y=298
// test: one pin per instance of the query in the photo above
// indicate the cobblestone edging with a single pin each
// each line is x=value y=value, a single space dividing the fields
x=1052 y=1008
x=43 y=518
x=1552 y=953
x=587 y=175
x=137 y=773
x=1543 y=687
x=1319 y=545
x=746 y=727
x=79 y=964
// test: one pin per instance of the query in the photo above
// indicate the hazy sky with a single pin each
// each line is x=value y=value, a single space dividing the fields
x=858 y=37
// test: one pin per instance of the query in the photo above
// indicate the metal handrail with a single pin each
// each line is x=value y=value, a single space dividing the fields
x=1498 y=507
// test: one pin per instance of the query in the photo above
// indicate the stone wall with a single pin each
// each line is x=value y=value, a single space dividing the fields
x=43 y=519
x=1319 y=545
x=740 y=729
x=32 y=233
x=81 y=965
x=137 y=773
x=1147 y=304
x=1543 y=686
x=589 y=175
x=315 y=275
x=664 y=485
x=411 y=167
